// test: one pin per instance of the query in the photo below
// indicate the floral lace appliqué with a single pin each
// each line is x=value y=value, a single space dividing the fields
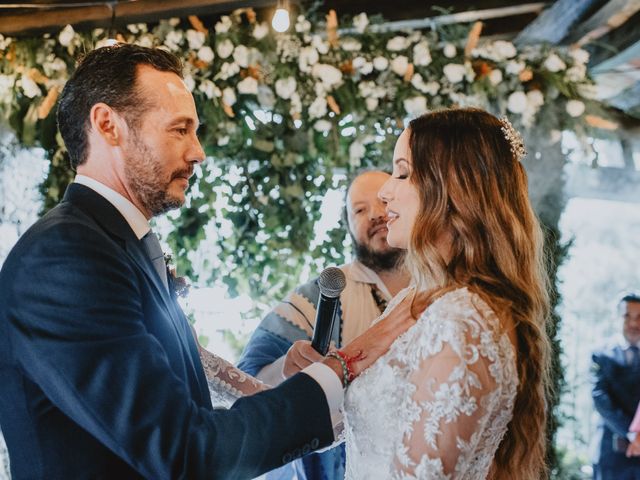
x=437 y=405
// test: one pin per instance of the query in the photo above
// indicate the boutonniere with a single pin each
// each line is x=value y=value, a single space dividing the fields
x=180 y=285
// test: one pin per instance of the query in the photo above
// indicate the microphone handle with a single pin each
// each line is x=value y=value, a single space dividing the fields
x=325 y=318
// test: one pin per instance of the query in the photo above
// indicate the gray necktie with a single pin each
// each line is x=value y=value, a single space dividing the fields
x=154 y=251
x=634 y=357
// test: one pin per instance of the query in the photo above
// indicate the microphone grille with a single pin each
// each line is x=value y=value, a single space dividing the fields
x=331 y=282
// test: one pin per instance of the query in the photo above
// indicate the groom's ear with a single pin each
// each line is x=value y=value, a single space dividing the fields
x=107 y=123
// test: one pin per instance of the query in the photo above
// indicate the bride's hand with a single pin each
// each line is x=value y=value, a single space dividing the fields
x=300 y=355
x=375 y=342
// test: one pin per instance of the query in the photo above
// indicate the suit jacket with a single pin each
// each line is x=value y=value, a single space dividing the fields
x=100 y=374
x=616 y=393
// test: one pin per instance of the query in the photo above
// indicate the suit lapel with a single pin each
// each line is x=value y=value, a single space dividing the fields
x=109 y=218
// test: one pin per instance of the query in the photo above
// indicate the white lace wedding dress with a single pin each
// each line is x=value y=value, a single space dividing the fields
x=437 y=404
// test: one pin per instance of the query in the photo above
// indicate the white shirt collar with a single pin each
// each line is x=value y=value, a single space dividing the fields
x=134 y=217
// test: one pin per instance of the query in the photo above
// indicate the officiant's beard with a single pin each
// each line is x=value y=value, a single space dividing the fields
x=147 y=177
x=378 y=261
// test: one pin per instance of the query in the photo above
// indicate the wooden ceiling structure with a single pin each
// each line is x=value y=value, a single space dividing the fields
x=609 y=29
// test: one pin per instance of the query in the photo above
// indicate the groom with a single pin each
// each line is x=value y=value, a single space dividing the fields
x=99 y=373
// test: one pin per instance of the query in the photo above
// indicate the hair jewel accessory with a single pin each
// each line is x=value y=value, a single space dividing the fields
x=514 y=138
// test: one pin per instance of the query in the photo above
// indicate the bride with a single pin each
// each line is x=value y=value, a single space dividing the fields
x=461 y=393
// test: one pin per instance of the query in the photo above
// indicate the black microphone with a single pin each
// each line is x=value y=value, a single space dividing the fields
x=331 y=282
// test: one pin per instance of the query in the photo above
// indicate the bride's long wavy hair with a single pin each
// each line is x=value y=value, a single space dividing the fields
x=473 y=190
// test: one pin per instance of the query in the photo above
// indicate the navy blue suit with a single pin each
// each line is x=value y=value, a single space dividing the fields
x=101 y=376
x=616 y=393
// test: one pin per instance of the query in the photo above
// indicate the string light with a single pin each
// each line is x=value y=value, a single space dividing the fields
x=280 y=21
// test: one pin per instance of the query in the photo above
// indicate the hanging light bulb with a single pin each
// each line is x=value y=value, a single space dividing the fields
x=280 y=21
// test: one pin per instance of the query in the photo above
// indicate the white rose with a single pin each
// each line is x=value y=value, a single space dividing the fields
x=58 y=65
x=266 y=97
x=328 y=74
x=174 y=21
x=145 y=41
x=362 y=65
x=320 y=45
x=229 y=96
x=209 y=89
x=224 y=48
x=579 y=55
x=380 y=63
x=397 y=43
x=189 y=82
x=351 y=45
x=399 y=65
x=66 y=36
x=554 y=63
x=357 y=150
x=6 y=84
x=503 y=50
x=366 y=88
x=449 y=50
x=318 y=108
x=322 y=126
x=195 y=39
x=260 y=30
x=575 y=108
x=173 y=39
x=223 y=25
x=303 y=25
x=535 y=98
x=248 y=86
x=206 y=54
x=556 y=136
x=514 y=68
x=495 y=77
x=576 y=73
x=415 y=106
x=241 y=56
x=421 y=54
x=371 y=104
x=285 y=87
x=360 y=22
x=307 y=58
x=228 y=70
x=454 y=72
x=431 y=87
x=517 y=102
x=30 y=88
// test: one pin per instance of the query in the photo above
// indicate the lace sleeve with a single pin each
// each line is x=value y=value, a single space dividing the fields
x=226 y=382
x=454 y=381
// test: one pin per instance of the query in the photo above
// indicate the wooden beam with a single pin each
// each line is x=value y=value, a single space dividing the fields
x=615 y=41
x=628 y=100
x=555 y=22
x=131 y=11
x=460 y=17
x=611 y=16
x=626 y=60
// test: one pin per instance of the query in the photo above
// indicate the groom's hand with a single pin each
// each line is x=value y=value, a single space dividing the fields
x=300 y=355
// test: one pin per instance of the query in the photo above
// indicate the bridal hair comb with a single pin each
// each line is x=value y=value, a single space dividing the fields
x=514 y=138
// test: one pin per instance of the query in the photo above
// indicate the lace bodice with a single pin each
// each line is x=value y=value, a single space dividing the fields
x=437 y=404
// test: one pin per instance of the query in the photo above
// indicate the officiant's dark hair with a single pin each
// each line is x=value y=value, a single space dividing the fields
x=107 y=75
